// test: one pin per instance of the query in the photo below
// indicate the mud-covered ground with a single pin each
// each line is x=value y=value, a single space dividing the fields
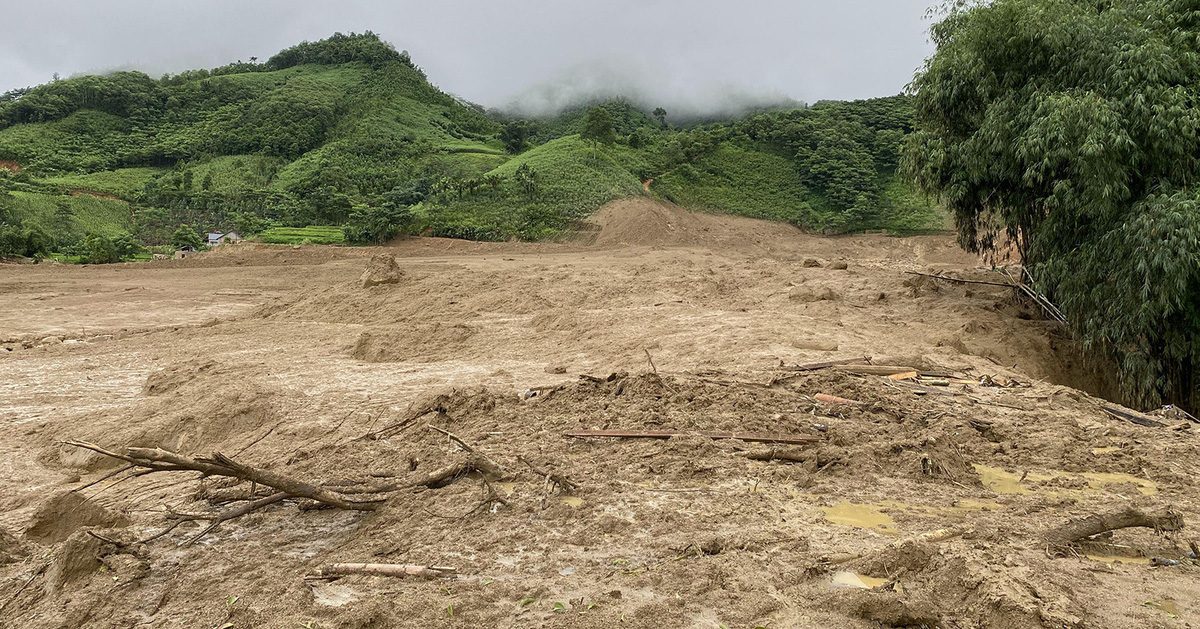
x=929 y=505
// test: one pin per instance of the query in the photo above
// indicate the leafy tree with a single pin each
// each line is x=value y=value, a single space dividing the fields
x=1073 y=128
x=248 y=224
x=185 y=236
x=514 y=135
x=598 y=128
x=377 y=224
x=526 y=179
x=660 y=115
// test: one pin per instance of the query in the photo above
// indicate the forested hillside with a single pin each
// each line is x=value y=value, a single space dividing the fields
x=348 y=132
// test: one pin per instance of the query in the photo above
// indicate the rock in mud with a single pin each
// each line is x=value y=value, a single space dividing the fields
x=12 y=549
x=839 y=266
x=382 y=270
x=810 y=295
x=63 y=515
x=78 y=558
x=126 y=567
x=556 y=369
x=811 y=263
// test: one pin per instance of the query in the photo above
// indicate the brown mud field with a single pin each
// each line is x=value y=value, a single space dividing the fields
x=417 y=413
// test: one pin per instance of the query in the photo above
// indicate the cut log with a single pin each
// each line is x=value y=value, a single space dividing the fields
x=831 y=363
x=667 y=434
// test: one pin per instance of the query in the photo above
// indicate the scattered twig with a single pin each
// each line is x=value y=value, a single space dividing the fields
x=667 y=434
x=385 y=570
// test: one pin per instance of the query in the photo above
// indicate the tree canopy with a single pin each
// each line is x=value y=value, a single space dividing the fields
x=598 y=128
x=1069 y=129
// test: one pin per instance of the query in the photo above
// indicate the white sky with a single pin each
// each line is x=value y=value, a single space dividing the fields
x=494 y=52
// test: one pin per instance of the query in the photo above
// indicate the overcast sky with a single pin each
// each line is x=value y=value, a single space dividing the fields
x=536 y=52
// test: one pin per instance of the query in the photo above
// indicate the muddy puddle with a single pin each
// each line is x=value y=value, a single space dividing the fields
x=1002 y=481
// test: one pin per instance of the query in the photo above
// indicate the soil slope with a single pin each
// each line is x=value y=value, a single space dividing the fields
x=280 y=358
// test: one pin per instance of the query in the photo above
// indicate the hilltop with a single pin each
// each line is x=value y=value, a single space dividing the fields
x=349 y=132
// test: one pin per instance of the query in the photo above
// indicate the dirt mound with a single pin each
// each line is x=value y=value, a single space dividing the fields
x=63 y=515
x=644 y=222
x=189 y=406
x=381 y=270
x=412 y=342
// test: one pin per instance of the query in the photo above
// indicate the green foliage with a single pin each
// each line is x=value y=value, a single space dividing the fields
x=311 y=235
x=377 y=224
x=1074 y=129
x=99 y=249
x=186 y=236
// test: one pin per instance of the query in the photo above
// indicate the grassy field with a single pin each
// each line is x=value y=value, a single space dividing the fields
x=122 y=182
x=571 y=184
x=88 y=214
x=312 y=235
x=735 y=181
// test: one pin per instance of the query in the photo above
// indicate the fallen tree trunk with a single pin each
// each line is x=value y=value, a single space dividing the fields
x=385 y=570
x=1128 y=517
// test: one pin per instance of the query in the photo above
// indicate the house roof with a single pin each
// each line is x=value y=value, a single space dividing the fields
x=215 y=236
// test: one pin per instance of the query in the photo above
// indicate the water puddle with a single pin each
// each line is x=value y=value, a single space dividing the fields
x=508 y=487
x=572 y=501
x=1167 y=606
x=863 y=516
x=1004 y=482
x=1104 y=450
x=846 y=579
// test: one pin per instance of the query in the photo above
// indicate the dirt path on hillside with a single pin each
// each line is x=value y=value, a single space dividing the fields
x=279 y=357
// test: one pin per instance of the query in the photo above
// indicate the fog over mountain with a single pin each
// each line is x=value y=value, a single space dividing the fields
x=536 y=56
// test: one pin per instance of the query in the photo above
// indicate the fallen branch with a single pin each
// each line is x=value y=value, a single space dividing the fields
x=221 y=465
x=1127 y=517
x=385 y=570
x=667 y=434
x=780 y=455
x=564 y=483
x=960 y=281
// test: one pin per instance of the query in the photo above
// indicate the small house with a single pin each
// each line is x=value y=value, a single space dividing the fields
x=221 y=239
x=184 y=252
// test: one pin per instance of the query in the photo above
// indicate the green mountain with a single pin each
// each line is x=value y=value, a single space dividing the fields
x=349 y=132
